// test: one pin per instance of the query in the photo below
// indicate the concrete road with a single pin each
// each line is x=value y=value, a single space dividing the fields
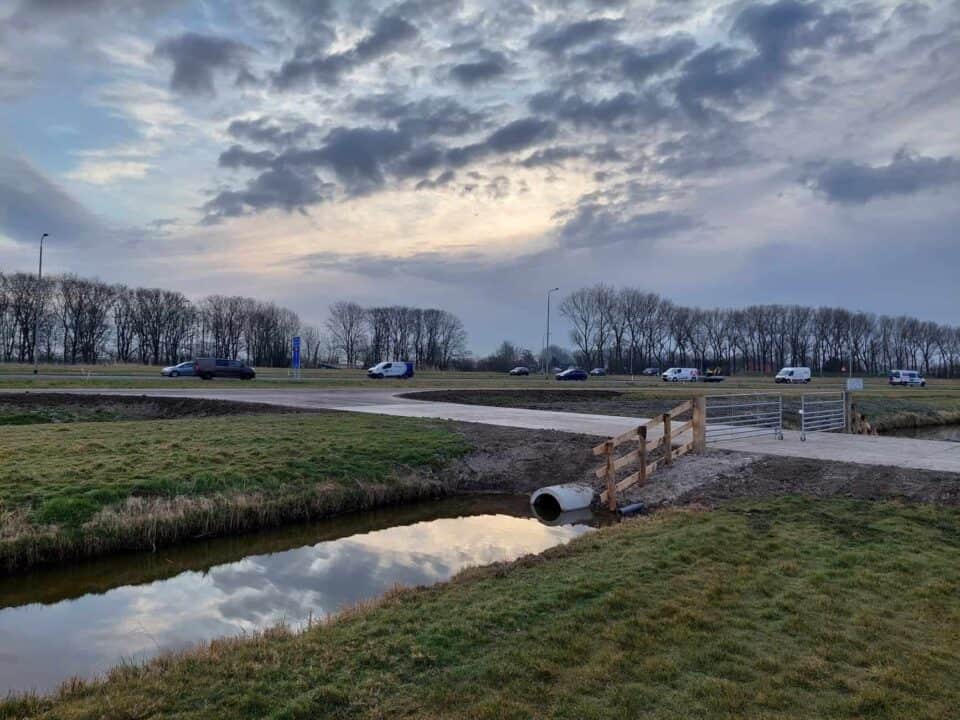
x=892 y=451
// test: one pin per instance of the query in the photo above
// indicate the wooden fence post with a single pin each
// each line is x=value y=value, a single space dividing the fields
x=667 y=440
x=642 y=439
x=699 y=424
x=611 y=477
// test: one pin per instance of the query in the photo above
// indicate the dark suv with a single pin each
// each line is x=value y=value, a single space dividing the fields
x=209 y=368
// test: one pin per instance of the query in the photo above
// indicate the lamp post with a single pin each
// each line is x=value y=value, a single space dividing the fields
x=546 y=349
x=36 y=312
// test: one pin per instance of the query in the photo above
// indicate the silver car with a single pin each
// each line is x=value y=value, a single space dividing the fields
x=184 y=368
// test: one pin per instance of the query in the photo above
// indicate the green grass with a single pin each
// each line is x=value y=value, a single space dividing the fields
x=788 y=609
x=57 y=480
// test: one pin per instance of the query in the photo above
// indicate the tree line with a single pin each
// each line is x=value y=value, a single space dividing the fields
x=430 y=338
x=620 y=328
x=73 y=320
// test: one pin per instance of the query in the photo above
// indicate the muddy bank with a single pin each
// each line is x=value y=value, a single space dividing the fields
x=501 y=460
x=719 y=476
x=28 y=408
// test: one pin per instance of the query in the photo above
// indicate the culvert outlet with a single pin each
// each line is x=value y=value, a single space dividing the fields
x=562 y=498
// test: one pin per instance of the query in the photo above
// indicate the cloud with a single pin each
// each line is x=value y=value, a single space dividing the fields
x=517 y=135
x=491 y=66
x=267 y=131
x=197 y=57
x=285 y=188
x=623 y=111
x=442 y=180
x=556 y=38
x=434 y=115
x=594 y=226
x=849 y=183
x=97 y=172
x=390 y=32
x=30 y=204
x=778 y=32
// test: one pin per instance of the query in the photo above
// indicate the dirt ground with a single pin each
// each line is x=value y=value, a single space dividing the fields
x=595 y=402
x=512 y=460
x=719 y=476
x=31 y=407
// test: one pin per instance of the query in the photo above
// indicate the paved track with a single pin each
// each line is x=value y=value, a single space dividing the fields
x=890 y=451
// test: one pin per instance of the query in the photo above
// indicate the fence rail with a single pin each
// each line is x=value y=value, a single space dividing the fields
x=646 y=446
x=742 y=415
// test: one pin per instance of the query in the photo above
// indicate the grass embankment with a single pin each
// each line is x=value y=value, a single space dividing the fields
x=73 y=490
x=788 y=609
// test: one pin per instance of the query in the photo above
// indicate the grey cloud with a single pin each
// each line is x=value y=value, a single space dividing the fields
x=265 y=131
x=428 y=116
x=442 y=180
x=31 y=204
x=622 y=111
x=389 y=33
x=777 y=32
x=600 y=225
x=286 y=188
x=238 y=156
x=517 y=135
x=196 y=57
x=557 y=154
x=557 y=38
x=358 y=155
x=491 y=66
x=850 y=183
x=641 y=64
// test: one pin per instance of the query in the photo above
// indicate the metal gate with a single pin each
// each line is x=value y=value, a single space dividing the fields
x=732 y=417
x=822 y=412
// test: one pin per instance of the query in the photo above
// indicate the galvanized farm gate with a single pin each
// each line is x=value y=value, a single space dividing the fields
x=823 y=412
x=734 y=417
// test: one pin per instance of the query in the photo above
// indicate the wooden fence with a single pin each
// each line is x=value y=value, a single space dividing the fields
x=640 y=456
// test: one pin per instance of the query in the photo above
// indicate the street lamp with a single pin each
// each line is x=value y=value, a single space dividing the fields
x=36 y=312
x=546 y=349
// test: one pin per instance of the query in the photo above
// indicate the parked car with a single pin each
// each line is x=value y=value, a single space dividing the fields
x=391 y=369
x=652 y=372
x=793 y=375
x=209 y=368
x=598 y=372
x=907 y=377
x=184 y=368
x=572 y=374
x=520 y=370
x=681 y=375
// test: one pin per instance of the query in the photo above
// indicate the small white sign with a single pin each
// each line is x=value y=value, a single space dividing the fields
x=854 y=383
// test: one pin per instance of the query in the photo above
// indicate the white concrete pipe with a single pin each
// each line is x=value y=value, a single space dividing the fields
x=567 y=497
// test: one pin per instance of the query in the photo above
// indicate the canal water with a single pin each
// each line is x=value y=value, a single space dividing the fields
x=81 y=620
x=949 y=433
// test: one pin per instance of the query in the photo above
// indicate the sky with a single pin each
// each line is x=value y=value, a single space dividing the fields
x=471 y=155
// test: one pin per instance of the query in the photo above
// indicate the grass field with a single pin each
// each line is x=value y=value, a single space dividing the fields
x=885 y=406
x=787 y=609
x=87 y=487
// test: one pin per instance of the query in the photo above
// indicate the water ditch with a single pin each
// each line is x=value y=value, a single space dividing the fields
x=80 y=620
x=948 y=433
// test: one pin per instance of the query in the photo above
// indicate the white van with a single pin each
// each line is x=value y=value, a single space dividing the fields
x=391 y=369
x=907 y=377
x=681 y=375
x=793 y=375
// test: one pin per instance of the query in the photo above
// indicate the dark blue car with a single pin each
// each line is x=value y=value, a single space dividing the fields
x=573 y=374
